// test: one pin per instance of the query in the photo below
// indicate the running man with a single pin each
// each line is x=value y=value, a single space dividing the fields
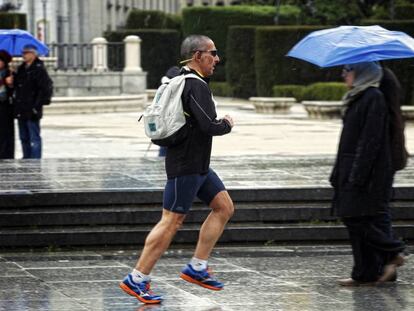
x=189 y=175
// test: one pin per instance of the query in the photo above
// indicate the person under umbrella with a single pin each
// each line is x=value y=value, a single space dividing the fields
x=6 y=108
x=363 y=175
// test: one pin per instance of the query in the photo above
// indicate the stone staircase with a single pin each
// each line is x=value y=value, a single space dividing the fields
x=267 y=215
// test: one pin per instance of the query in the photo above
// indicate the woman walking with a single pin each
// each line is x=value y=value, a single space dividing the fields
x=363 y=175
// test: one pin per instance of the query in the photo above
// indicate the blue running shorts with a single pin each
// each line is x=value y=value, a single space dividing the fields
x=181 y=191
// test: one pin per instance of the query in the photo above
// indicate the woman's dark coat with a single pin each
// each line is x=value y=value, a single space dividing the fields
x=362 y=175
x=7 y=125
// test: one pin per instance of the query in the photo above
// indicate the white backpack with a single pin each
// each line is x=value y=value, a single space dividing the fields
x=165 y=116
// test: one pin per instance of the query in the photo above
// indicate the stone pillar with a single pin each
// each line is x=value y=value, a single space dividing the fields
x=99 y=54
x=132 y=54
x=133 y=78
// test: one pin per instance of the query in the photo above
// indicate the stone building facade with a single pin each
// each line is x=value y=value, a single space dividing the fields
x=79 y=21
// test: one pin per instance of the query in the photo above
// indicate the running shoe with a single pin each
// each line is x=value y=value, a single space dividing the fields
x=142 y=291
x=202 y=278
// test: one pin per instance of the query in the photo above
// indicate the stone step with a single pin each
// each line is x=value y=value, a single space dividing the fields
x=30 y=199
x=311 y=194
x=150 y=214
x=135 y=235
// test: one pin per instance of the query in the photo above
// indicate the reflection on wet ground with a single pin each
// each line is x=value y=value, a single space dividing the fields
x=56 y=175
x=256 y=278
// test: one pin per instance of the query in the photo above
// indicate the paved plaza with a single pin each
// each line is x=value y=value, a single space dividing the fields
x=293 y=278
x=109 y=152
x=120 y=135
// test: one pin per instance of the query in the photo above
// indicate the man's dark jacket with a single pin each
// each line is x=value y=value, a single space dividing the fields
x=192 y=156
x=33 y=88
x=363 y=174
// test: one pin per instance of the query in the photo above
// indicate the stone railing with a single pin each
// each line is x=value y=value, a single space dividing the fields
x=323 y=109
x=333 y=110
x=96 y=104
x=408 y=113
x=50 y=62
x=272 y=104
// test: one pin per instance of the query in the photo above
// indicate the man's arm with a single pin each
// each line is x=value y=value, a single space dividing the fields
x=203 y=110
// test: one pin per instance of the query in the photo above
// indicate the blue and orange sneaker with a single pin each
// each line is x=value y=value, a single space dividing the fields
x=202 y=278
x=142 y=291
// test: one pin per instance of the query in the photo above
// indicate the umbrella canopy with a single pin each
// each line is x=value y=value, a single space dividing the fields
x=13 y=41
x=352 y=44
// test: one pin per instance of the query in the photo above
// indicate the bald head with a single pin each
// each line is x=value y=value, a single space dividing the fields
x=194 y=43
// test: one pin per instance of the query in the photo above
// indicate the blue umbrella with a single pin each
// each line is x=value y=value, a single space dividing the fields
x=13 y=41
x=352 y=44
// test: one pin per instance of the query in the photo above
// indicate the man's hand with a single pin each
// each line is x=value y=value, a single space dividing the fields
x=229 y=120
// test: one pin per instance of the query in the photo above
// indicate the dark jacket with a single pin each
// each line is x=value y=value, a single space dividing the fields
x=9 y=90
x=33 y=88
x=192 y=156
x=6 y=124
x=362 y=175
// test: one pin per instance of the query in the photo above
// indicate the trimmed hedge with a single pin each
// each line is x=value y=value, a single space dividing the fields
x=289 y=90
x=159 y=50
x=324 y=91
x=274 y=68
x=240 y=71
x=399 y=25
x=403 y=68
x=221 y=89
x=215 y=21
x=12 y=20
x=142 y=19
x=405 y=11
x=314 y=91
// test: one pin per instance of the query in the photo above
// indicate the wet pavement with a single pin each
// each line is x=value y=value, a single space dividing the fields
x=120 y=174
x=256 y=278
x=119 y=135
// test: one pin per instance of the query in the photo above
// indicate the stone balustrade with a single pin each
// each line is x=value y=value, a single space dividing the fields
x=96 y=104
x=323 y=109
x=150 y=93
x=272 y=104
x=408 y=113
x=333 y=110
x=50 y=62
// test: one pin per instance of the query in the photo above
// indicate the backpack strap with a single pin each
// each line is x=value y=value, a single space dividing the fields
x=193 y=76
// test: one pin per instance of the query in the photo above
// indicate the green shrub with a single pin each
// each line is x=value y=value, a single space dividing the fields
x=289 y=90
x=240 y=71
x=324 y=91
x=159 y=50
x=12 y=20
x=404 y=11
x=221 y=89
x=274 y=68
x=142 y=19
x=323 y=12
x=215 y=21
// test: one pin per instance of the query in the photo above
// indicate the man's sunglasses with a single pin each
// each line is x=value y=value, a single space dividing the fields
x=212 y=52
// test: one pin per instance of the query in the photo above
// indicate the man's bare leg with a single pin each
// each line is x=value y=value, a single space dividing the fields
x=158 y=240
x=213 y=227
